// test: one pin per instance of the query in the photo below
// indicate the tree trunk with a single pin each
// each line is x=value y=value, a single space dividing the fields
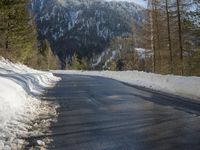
x=152 y=18
x=169 y=37
x=180 y=34
x=157 y=35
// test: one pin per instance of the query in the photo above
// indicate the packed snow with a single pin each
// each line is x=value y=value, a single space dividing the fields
x=183 y=86
x=20 y=88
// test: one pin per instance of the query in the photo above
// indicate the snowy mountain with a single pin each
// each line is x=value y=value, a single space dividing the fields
x=142 y=3
x=84 y=27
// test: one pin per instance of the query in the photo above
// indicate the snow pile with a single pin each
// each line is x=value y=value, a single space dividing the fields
x=143 y=53
x=19 y=88
x=183 y=86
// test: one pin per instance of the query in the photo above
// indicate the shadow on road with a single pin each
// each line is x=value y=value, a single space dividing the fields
x=102 y=114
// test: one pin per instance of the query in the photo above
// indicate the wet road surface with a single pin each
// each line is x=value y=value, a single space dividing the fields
x=102 y=114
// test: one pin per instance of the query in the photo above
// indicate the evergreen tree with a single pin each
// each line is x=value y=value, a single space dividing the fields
x=46 y=60
x=78 y=64
x=18 y=36
x=75 y=63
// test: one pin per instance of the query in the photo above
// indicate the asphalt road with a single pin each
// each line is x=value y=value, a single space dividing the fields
x=102 y=114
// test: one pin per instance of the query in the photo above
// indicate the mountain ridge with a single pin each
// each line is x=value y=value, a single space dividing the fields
x=82 y=26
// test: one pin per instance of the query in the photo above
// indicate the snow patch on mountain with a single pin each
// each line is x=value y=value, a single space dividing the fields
x=142 y=3
x=113 y=55
x=84 y=26
x=109 y=55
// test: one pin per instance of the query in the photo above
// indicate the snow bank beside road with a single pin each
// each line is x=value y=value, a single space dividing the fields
x=19 y=88
x=183 y=86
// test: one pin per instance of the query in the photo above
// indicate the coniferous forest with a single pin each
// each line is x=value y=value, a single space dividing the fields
x=100 y=74
x=18 y=40
x=169 y=36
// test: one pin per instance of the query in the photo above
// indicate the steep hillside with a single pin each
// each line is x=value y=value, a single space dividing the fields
x=84 y=27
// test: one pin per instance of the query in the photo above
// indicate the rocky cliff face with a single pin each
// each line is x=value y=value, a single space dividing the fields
x=84 y=27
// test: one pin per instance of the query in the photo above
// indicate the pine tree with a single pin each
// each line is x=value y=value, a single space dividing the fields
x=75 y=63
x=18 y=36
x=46 y=59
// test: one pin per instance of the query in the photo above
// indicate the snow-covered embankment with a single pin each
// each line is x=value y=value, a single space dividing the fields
x=177 y=85
x=19 y=106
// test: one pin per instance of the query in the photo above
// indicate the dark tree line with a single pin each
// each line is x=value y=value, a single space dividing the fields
x=18 y=37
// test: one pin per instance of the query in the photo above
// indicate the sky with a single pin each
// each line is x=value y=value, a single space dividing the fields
x=140 y=2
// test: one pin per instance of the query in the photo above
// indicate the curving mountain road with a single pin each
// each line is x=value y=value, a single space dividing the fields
x=102 y=114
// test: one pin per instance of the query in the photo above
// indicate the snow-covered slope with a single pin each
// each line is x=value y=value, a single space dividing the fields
x=177 y=85
x=109 y=55
x=142 y=3
x=84 y=26
x=20 y=87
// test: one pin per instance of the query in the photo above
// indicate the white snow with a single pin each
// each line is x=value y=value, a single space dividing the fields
x=142 y=3
x=143 y=53
x=183 y=86
x=106 y=57
x=20 y=87
x=114 y=53
x=99 y=59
